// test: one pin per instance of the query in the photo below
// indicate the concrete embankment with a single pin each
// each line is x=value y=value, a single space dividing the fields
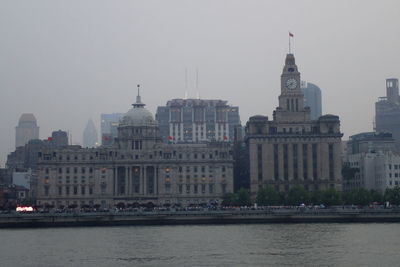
x=176 y=218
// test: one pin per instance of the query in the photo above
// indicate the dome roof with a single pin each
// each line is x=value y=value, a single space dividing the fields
x=138 y=115
x=27 y=117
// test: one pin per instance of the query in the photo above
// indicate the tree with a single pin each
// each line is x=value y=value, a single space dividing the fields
x=348 y=172
x=331 y=197
x=316 y=197
x=376 y=196
x=297 y=195
x=393 y=195
x=268 y=197
x=359 y=196
x=229 y=199
x=243 y=198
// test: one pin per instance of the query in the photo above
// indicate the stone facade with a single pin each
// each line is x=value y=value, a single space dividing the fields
x=292 y=149
x=137 y=169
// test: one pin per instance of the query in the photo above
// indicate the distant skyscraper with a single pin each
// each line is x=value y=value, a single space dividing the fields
x=90 y=135
x=312 y=99
x=197 y=120
x=109 y=127
x=26 y=130
x=387 y=111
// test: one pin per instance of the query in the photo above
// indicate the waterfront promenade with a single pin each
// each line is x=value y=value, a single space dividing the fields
x=172 y=217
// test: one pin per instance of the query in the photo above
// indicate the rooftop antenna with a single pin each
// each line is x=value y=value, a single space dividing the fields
x=197 y=83
x=186 y=84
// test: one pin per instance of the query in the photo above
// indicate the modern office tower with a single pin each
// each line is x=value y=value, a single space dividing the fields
x=26 y=130
x=137 y=169
x=109 y=127
x=387 y=111
x=197 y=120
x=90 y=135
x=291 y=149
x=312 y=99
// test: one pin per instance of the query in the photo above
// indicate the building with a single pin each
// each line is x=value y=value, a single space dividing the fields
x=291 y=149
x=197 y=120
x=374 y=160
x=137 y=169
x=387 y=111
x=58 y=138
x=25 y=157
x=26 y=130
x=370 y=142
x=312 y=99
x=90 y=135
x=109 y=127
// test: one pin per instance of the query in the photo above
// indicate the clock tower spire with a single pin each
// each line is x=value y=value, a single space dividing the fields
x=291 y=99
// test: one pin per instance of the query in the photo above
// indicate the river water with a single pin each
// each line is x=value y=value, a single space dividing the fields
x=204 y=245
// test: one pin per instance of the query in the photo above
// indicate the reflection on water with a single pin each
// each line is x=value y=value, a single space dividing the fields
x=205 y=245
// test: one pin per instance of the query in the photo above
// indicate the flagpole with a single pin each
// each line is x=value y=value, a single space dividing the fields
x=289 y=45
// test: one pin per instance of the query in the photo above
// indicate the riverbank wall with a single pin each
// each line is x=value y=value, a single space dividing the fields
x=189 y=218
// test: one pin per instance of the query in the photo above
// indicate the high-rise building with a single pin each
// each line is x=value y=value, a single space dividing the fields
x=197 y=120
x=109 y=127
x=291 y=149
x=312 y=99
x=387 y=111
x=90 y=135
x=26 y=130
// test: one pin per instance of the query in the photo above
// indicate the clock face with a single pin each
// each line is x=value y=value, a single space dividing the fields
x=291 y=83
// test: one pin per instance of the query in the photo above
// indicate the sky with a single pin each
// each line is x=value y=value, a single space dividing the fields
x=69 y=61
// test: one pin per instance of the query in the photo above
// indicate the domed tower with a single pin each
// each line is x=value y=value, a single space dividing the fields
x=26 y=130
x=137 y=129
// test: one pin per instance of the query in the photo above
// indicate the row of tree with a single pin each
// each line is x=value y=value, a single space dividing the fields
x=298 y=195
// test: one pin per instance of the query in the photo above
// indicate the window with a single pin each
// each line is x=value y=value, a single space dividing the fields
x=67 y=190
x=59 y=190
x=195 y=188
x=83 y=190
x=211 y=188
x=75 y=190
x=187 y=189
x=46 y=190
x=167 y=187
x=223 y=188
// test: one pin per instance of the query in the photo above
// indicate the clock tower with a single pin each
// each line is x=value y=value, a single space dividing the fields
x=291 y=100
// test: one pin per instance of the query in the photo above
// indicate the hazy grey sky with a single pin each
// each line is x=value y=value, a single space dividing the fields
x=68 y=61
